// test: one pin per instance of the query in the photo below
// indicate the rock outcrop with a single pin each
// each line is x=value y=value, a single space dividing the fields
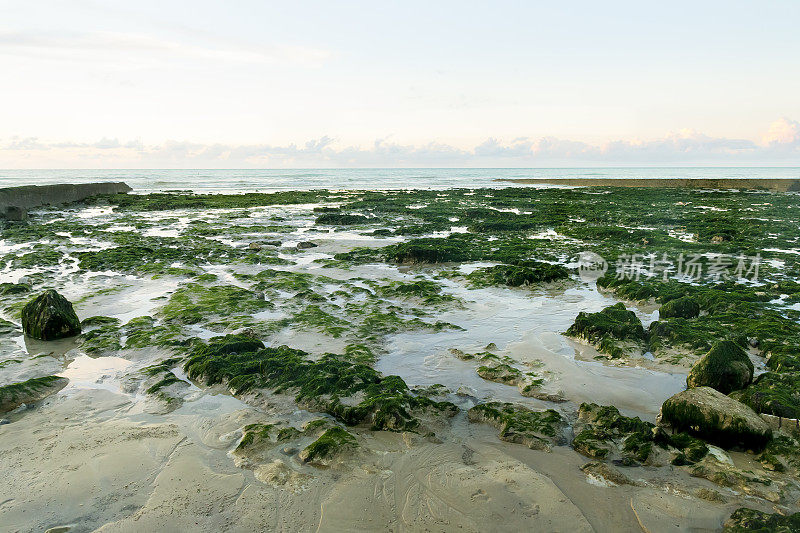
x=50 y=316
x=726 y=368
x=716 y=418
x=33 y=390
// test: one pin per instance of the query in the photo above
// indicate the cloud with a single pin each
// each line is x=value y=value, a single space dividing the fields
x=783 y=132
x=138 y=48
x=780 y=146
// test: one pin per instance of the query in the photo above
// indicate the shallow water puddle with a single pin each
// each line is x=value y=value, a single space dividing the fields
x=86 y=372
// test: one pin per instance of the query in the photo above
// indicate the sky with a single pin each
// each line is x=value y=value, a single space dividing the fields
x=264 y=84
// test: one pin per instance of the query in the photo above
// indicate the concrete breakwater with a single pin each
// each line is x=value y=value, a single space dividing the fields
x=776 y=185
x=15 y=201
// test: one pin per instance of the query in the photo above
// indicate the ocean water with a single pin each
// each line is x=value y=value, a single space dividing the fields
x=238 y=180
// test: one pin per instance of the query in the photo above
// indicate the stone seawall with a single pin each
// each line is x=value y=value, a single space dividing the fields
x=776 y=185
x=15 y=201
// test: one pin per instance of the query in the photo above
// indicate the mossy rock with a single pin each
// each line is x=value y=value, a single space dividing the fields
x=341 y=219
x=615 y=321
x=50 y=316
x=726 y=368
x=10 y=289
x=536 y=430
x=528 y=273
x=328 y=447
x=32 y=390
x=774 y=394
x=710 y=415
x=684 y=307
x=352 y=392
x=752 y=521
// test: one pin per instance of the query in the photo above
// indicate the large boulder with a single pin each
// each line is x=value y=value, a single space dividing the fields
x=726 y=368
x=50 y=316
x=716 y=418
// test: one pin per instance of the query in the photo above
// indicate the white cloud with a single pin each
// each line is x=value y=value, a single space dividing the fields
x=783 y=132
x=781 y=147
x=137 y=49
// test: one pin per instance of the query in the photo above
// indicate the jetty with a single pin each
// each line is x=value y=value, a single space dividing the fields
x=16 y=201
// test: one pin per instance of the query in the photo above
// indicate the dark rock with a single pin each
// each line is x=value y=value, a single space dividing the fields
x=711 y=415
x=305 y=245
x=726 y=368
x=16 y=213
x=50 y=316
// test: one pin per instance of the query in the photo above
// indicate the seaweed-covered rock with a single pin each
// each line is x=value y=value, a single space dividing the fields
x=50 y=316
x=351 y=392
x=528 y=273
x=683 y=307
x=726 y=368
x=711 y=415
x=773 y=393
x=604 y=433
x=536 y=430
x=8 y=289
x=33 y=390
x=328 y=447
x=749 y=520
x=607 y=327
x=340 y=219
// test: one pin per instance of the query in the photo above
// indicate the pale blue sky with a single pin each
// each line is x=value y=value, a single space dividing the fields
x=91 y=83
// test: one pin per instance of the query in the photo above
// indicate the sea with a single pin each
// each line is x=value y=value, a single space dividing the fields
x=249 y=180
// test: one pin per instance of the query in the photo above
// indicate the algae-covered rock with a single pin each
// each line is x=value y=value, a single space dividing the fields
x=340 y=219
x=774 y=394
x=606 y=473
x=604 y=433
x=683 y=307
x=711 y=415
x=608 y=328
x=32 y=390
x=749 y=520
x=527 y=273
x=50 y=316
x=536 y=430
x=328 y=447
x=726 y=368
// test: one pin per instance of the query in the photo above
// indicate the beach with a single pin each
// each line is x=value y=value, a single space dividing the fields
x=405 y=360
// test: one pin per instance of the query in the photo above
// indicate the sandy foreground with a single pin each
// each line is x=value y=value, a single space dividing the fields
x=91 y=459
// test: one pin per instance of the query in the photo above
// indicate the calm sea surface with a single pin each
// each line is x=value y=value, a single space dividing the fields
x=378 y=178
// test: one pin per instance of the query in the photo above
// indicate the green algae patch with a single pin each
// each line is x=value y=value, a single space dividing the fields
x=195 y=303
x=726 y=368
x=683 y=307
x=608 y=329
x=30 y=391
x=525 y=273
x=353 y=393
x=171 y=201
x=773 y=393
x=341 y=219
x=50 y=316
x=604 y=433
x=328 y=447
x=534 y=429
x=744 y=520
